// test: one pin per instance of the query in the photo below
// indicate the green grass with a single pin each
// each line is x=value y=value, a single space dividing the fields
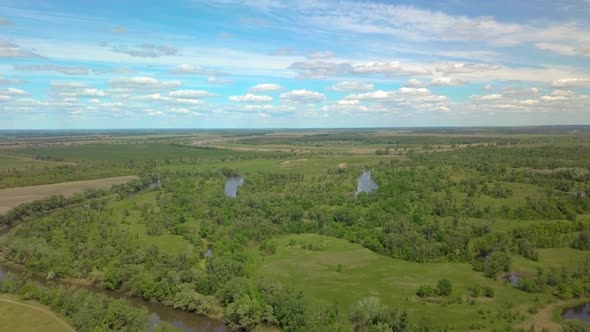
x=122 y=152
x=395 y=281
x=563 y=257
x=7 y=162
x=18 y=316
x=169 y=243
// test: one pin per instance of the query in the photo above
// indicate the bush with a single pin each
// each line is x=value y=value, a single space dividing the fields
x=426 y=291
x=496 y=262
x=444 y=287
x=488 y=291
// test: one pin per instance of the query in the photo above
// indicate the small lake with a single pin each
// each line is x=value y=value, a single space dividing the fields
x=232 y=184
x=365 y=184
x=581 y=312
x=186 y=321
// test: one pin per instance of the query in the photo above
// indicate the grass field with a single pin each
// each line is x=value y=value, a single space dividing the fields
x=120 y=152
x=10 y=198
x=7 y=162
x=18 y=316
x=365 y=273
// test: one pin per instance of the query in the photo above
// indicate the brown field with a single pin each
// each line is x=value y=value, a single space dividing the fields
x=10 y=198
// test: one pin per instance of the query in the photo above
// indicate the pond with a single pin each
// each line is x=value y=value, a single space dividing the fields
x=232 y=184
x=365 y=184
x=188 y=322
x=581 y=312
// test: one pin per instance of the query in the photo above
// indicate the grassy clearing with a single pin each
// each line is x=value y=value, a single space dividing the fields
x=365 y=273
x=18 y=316
x=169 y=243
x=10 y=198
x=7 y=162
x=563 y=257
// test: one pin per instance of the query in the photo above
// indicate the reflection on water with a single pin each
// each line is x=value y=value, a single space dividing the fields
x=581 y=312
x=365 y=184
x=188 y=322
x=232 y=184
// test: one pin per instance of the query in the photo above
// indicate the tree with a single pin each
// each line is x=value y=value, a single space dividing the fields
x=444 y=287
x=496 y=262
x=426 y=291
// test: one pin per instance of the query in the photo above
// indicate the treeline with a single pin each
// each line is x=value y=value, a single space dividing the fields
x=84 y=310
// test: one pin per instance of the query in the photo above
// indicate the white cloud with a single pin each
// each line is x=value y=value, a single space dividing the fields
x=375 y=95
x=351 y=86
x=415 y=83
x=251 y=98
x=219 y=80
x=146 y=50
x=265 y=87
x=391 y=68
x=319 y=69
x=12 y=50
x=572 y=83
x=446 y=81
x=190 y=94
x=303 y=96
x=565 y=49
x=66 y=70
x=195 y=69
x=143 y=82
x=13 y=92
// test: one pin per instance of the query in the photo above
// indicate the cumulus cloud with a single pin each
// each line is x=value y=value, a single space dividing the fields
x=572 y=83
x=190 y=94
x=194 y=69
x=446 y=81
x=251 y=98
x=462 y=68
x=12 y=50
x=563 y=49
x=146 y=50
x=66 y=70
x=375 y=95
x=13 y=92
x=265 y=87
x=219 y=80
x=521 y=100
x=302 y=96
x=391 y=68
x=319 y=69
x=10 y=81
x=143 y=82
x=351 y=86
x=415 y=83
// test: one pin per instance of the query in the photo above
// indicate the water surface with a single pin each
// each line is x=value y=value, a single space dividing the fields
x=232 y=184
x=581 y=312
x=188 y=322
x=365 y=184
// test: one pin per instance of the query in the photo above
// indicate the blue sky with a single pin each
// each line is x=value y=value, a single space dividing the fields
x=293 y=64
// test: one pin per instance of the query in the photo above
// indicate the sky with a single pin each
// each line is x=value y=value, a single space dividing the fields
x=293 y=64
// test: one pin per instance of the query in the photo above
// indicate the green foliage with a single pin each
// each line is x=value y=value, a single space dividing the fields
x=496 y=262
x=426 y=291
x=444 y=287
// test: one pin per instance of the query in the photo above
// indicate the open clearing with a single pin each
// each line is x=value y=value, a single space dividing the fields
x=365 y=273
x=17 y=316
x=10 y=198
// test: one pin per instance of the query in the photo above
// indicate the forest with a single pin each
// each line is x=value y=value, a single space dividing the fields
x=462 y=215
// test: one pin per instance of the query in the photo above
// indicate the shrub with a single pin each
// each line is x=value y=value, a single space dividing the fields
x=444 y=287
x=426 y=291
